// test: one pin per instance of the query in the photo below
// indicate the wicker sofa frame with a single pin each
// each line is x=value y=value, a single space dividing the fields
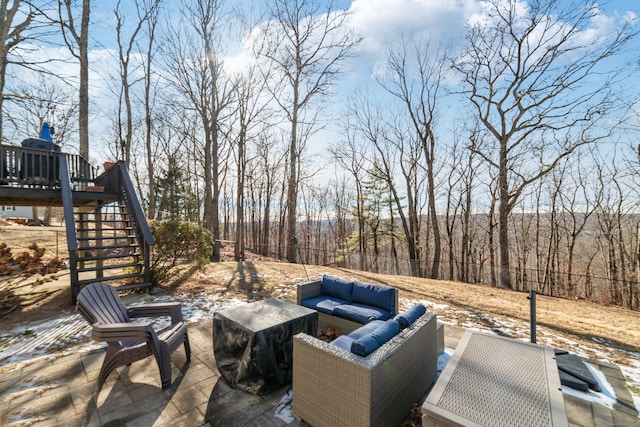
x=344 y=326
x=332 y=386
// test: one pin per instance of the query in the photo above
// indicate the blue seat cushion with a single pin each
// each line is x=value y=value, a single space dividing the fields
x=361 y=313
x=343 y=341
x=366 y=329
x=369 y=343
x=407 y=318
x=322 y=303
x=336 y=287
x=374 y=295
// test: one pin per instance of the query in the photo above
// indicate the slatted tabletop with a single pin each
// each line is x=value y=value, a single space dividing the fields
x=496 y=381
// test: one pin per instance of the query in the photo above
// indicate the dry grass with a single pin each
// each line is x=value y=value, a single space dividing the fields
x=574 y=319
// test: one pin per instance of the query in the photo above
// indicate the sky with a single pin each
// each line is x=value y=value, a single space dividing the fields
x=378 y=21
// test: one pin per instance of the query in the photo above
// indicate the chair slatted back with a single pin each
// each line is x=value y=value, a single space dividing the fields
x=99 y=303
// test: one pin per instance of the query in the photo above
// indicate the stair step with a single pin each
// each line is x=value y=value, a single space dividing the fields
x=94 y=220
x=94 y=248
x=106 y=231
x=86 y=207
x=86 y=239
x=109 y=278
x=106 y=228
x=112 y=256
x=109 y=267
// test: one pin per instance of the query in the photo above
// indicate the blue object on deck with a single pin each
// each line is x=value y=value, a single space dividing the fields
x=45 y=132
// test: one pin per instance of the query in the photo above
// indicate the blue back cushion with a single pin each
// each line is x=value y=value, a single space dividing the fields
x=407 y=318
x=361 y=313
x=375 y=295
x=322 y=303
x=343 y=341
x=367 y=344
x=336 y=287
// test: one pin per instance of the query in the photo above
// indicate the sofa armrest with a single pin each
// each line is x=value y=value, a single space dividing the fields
x=308 y=290
x=335 y=387
x=330 y=387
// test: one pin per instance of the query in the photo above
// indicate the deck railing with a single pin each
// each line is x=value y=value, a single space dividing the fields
x=20 y=166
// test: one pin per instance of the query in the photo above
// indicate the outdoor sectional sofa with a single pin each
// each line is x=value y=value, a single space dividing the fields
x=347 y=304
x=334 y=386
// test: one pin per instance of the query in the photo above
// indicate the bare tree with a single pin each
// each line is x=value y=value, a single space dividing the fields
x=125 y=47
x=469 y=172
x=342 y=226
x=415 y=75
x=45 y=100
x=251 y=103
x=305 y=41
x=529 y=73
x=12 y=28
x=579 y=203
x=77 y=40
x=152 y=23
x=264 y=184
x=350 y=155
x=207 y=92
x=394 y=148
x=454 y=205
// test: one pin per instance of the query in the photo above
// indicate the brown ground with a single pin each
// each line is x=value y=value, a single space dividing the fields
x=581 y=322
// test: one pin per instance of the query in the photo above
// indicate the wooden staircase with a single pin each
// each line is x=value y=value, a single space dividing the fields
x=107 y=244
x=107 y=233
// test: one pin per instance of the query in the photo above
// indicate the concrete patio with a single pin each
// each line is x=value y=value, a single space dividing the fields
x=63 y=392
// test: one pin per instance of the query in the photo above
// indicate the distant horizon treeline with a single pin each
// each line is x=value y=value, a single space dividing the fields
x=590 y=255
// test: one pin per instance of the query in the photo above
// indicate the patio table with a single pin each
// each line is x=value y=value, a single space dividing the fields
x=497 y=381
x=253 y=343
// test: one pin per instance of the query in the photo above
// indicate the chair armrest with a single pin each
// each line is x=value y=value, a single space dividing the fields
x=173 y=309
x=122 y=331
x=308 y=290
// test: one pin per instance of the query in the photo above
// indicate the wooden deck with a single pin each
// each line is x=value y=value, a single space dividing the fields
x=47 y=177
x=32 y=177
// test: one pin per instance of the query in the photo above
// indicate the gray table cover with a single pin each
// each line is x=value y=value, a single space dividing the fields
x=253 y=343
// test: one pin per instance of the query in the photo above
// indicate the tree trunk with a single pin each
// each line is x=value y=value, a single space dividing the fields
x=292 y=184
x=435 y=266
x=215 y=213
x=492 y=246
x=83 y=107
x=239 y=240
x=503 y=219
x=208 y=184
x=3 y=70
x=151 y=179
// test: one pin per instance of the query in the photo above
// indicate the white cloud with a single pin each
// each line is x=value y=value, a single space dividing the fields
x=381 y=20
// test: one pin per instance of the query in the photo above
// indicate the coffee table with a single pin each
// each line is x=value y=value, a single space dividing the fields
x=253 y=343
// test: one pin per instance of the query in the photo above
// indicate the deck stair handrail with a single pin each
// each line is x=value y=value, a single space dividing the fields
x=69 y=221
x=116 y=179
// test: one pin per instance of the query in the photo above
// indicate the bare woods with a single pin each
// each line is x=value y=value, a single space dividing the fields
x=500 y=149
